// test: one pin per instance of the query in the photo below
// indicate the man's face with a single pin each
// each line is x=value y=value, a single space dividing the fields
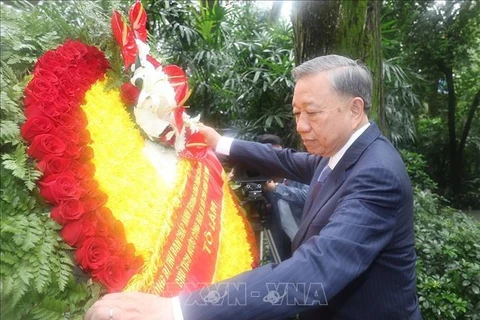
x=325 y=120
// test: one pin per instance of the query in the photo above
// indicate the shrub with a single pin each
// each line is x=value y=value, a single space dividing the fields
x=448 y=266
x=448 y=250
x=416 y=165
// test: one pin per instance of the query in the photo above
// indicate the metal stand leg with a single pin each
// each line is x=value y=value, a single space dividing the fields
x=271 y=244
x=261 y=245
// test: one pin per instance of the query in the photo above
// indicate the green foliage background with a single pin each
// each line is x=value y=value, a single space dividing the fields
x=426 y=42
x=447 y=242
x=239 y=64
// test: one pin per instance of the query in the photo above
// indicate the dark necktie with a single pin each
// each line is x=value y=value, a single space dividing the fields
x=324 y=175
x=319 y=184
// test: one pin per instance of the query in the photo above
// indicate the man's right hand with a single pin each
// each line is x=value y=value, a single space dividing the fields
x=211 y=136
x=270 y=185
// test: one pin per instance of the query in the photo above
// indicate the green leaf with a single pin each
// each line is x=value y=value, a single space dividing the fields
x=257 y=75
x=475 y=289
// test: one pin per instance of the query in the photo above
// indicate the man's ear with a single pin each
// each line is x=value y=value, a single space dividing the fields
x=356 y=108
x=357 y=111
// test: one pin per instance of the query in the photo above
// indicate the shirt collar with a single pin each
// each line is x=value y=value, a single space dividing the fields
x=333 y=161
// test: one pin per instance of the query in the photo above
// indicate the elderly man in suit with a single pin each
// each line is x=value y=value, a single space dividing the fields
x=354 y=255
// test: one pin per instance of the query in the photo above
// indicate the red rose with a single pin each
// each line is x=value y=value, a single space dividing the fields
x=93 y=254
x=72 y=50
x=89 y=187
x=69 y=210
x=42 y=89
x=46 y=74
x=75 y=232
x=71 y=140
x=70 y=86
x=44 y=144
x=94 y=200
x=52 y=61
x=85 y=138
x=32 y=102
x=118 y=270
x=70 y=121
x=114 y=274
x=87 y=70
x=101 y=223
x=97 y=61
x=37 y=125
x=72 y=233
x=59 y=187
x=68 y=135
x=83 y=170
x=52 y=164
x=87 y=154
x=104 y=223
x=52 y=110
x=74 y=74
x=129 y=94
x=81 y=118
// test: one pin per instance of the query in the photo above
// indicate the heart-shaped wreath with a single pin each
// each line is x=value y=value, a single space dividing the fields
x=141 y=216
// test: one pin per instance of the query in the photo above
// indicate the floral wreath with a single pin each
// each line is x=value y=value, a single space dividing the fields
x=139 y=215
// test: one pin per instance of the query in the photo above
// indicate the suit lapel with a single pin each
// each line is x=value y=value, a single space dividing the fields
x=333 y=182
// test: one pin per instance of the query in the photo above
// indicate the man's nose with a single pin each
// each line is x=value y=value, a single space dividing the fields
x=303 y=125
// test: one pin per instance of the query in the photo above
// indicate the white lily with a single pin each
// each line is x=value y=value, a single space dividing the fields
x=156 y=102
x=143 y=51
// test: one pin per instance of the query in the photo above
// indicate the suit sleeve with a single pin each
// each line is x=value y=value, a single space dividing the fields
x=360 y=227
x=263 y=158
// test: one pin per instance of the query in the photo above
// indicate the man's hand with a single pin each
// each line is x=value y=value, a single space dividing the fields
x=130 y=306
x=211 y=136
x=270 y=185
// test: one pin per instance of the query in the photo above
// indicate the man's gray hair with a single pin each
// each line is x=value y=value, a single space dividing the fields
x=347 y=77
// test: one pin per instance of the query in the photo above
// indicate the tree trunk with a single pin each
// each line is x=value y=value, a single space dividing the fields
x=373 y=59
x=350 y=28
x=314 y=28
x=466 y=128
x=468 y=123
x=455 y=169
x=276 y=11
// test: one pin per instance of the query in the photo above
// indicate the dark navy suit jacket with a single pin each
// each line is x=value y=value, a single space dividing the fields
x=354 y=252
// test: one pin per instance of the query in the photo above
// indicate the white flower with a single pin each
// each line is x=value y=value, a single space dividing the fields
x=156 y=102
x=143 y=51
x=150 y=123
x=191 y=122
x=180 y=140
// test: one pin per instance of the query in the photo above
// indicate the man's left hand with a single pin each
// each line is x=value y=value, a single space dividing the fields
x=131 y=305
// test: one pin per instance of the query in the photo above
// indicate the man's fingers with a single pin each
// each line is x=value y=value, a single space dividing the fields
x=122 y=295
x=101 y=313
x=113 y=296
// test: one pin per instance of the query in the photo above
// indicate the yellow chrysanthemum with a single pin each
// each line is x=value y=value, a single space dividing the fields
x=137 y=195
x=144 y=200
